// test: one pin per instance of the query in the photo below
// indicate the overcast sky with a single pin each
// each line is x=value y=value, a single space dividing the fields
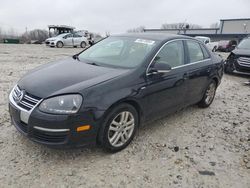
x=116 y=16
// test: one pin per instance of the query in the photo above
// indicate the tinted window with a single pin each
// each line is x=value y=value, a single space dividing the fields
x=205 y=52
x=171 y=54
x=76 y=35
x=195 y=51
x=68 y=36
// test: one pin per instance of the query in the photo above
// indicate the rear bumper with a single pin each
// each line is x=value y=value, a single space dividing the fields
x=57 y=131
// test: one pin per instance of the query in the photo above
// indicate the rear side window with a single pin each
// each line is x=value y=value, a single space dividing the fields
x=205 y=52
x=195 y=51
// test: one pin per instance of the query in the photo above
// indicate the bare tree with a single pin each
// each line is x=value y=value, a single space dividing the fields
x=36 y=34
x=214 y=25
x=180 y=25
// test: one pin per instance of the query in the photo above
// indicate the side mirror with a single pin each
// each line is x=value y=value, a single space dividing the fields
x=159 y=68
x=206 y=42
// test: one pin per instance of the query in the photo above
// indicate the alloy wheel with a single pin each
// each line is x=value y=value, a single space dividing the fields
x=210 y=93
x=121 y=129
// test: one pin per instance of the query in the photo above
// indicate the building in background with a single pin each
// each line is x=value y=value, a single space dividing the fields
x=59 y=29
x=229 y=29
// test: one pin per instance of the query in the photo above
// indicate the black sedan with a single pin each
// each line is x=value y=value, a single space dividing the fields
x=239 y=59
x=104 y=93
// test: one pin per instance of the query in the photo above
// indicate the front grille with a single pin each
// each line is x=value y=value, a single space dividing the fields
x=49 y=137
x=24 y=99
x=244 y=61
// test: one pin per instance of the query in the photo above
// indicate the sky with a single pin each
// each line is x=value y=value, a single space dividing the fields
x=116 y=16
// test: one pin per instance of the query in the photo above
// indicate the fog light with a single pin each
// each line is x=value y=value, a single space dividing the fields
x=83 y=128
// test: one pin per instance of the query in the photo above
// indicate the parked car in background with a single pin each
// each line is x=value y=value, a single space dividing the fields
x=239 y=59
x=67 y=39
x=206 y=40
x=104 y=93
x=226 y=45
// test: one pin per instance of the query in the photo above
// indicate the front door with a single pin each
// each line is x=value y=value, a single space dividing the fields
x=68 y=40
x=165 y=93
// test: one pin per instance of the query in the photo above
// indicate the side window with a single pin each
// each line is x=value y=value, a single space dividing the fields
x=195 y=51
x=77 y=36
x=171 y=54
x=68 y=36
x=205 y=52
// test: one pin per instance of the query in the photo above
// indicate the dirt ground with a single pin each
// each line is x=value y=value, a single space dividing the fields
x=191 y=148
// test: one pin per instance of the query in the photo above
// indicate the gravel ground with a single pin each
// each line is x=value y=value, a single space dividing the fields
x=191 y=148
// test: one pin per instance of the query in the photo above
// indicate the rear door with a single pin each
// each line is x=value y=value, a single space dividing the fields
x=199 y=67
x=77 y=39
x=165 y=93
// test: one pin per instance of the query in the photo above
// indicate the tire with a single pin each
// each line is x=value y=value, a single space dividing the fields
x=59 y=44
x=214 y=49
x=83 y=44
x=208 y=96
x=115 y=134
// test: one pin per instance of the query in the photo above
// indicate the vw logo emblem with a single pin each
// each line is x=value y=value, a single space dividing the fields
x=19 y=96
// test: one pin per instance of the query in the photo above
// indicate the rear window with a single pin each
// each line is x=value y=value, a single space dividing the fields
x=195 y=51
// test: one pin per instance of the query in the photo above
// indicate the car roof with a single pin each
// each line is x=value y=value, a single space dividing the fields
x=154 y=36
x=201 y=37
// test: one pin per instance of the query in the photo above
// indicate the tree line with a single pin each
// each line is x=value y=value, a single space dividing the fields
x=28 y=36
x=179 y=26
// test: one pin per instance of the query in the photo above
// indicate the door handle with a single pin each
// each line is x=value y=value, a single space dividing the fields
x=185 y=76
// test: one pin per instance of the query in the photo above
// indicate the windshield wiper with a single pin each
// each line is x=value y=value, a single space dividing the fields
x=93 y=64
x=75 y=57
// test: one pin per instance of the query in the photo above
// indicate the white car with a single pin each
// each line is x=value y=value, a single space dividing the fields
x=206 y=40
x=67 y=39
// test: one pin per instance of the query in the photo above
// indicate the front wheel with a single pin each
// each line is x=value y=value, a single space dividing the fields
x=208 y=97
x=59 y=44
x=119 y=127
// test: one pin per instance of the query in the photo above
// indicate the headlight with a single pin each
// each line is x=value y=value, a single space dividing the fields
x=64 y=104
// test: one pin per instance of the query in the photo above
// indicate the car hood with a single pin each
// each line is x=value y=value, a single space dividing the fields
x=243 y=52
x=52 y=38
x=66 y=76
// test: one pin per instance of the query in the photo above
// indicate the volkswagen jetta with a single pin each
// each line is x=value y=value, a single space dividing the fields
x=104 y=93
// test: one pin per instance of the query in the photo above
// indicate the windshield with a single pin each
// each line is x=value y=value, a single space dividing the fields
x=62 y=35
x=123 y=52
x=244 y=44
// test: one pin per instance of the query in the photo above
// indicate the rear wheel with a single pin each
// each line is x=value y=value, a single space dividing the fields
x=208 y=97
x=59 y=44
x=119 y=127
x=83 y=44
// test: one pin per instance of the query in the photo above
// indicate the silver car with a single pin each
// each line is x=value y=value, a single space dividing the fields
x=67 y=39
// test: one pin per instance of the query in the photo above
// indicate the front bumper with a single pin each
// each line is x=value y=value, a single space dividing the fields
x=242 y=67
x=238 y=67
x=58 y=131
x=50 y=43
